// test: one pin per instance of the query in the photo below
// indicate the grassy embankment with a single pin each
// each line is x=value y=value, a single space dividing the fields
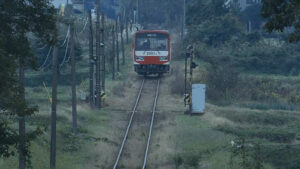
x=260 y=109
x=73 y=151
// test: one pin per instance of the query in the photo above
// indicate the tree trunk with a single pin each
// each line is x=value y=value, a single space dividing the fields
x=53 y=112
x=22 y=147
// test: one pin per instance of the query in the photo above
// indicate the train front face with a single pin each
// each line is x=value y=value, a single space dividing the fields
x=151 y=52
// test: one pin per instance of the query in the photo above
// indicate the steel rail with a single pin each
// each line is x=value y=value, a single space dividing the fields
x=129 y=124
x=151 y=125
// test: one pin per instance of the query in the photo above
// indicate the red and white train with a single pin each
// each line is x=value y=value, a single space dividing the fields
x=151 y=52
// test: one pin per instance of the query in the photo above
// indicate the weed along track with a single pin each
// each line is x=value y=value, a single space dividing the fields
x=134 y=149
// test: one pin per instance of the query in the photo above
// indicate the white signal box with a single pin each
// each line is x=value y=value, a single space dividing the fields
x=198 y=98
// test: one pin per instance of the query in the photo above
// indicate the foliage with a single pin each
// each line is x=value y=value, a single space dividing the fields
x=212 y=22
x=19 y=19
x=282 y=14
x=221 y=80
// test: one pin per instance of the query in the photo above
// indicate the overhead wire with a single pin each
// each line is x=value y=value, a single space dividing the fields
x=43 y=47
x=86 y=21
x=67 y=35
x=66 y=52
x=43 y=65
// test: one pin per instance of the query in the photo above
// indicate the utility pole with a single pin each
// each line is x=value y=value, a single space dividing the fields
x=137 y=12
x=191 y=77
x=98 y=62
x=113 y=52
x=22 y=147
x=53 y=111
x=189 y=87
x=117 y=45
x=102 y=45
x=91 y=51
x=122 y=39
x=127 y=41
x=73 y=72
x=183 y=20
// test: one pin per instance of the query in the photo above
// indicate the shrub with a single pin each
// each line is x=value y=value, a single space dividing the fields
x=221 y=80
x=177 y=83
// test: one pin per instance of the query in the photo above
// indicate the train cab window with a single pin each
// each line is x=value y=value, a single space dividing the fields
x=152 y=42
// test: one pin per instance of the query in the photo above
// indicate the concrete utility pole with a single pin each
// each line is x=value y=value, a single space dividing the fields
x=98 y=61
x=73 y=72
x=113 y=52
x=102 y=45
x=117 y=45
x=53 y=111
x=22 y=147
x=92 y=62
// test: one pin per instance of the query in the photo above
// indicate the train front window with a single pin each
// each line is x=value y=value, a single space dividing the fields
x=152 y=42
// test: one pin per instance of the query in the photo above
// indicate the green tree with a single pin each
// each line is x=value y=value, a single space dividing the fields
x=19 y=20
x=282 y=14
x=212 y=22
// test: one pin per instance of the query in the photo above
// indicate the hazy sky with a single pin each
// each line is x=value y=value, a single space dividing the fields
x=58 y=2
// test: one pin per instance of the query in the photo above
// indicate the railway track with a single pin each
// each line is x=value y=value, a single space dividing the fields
x=131 y=123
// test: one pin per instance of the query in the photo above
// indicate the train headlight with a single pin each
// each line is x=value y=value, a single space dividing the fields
x=140 y=58
x=163 y=58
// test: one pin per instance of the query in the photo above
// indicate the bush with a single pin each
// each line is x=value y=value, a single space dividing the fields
x=222 y=80
x=272 y=134
x=177 y=83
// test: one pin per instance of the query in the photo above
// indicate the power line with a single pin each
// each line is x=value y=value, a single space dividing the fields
x=66 y=52
x=86 y=21
x=43 y=65
x=67 y=36
x=43 y=47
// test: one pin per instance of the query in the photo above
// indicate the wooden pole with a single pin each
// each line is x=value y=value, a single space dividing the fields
x=122 y=39
x=73 y=72
x=102 y=53
x=98 y=61
x=127 y=38
x=191 y=77
x=117 y=45
x=113 y=52
x=53 y=111
x=91 y=51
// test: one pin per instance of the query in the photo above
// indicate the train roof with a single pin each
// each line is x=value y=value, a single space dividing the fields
x=153 y=31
